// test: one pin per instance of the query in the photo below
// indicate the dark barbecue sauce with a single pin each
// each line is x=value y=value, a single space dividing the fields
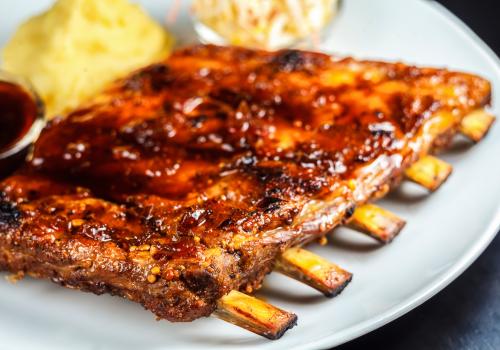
x=17 y=114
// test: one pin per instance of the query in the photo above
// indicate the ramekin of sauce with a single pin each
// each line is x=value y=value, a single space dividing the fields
x=22 y=117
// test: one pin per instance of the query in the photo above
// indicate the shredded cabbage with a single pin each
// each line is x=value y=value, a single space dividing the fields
x=269 y=24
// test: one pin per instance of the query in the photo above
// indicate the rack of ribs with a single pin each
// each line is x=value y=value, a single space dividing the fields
x=191 y=179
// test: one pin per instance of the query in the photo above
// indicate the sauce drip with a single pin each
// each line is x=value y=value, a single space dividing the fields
x=17 y=114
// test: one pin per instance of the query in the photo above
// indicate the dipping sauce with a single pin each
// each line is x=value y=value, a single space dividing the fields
x=17 y=114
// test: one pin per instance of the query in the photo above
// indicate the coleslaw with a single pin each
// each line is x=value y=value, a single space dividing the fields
x=268 y=24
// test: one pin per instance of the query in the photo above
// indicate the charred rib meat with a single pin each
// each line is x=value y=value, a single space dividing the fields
x=187 y=178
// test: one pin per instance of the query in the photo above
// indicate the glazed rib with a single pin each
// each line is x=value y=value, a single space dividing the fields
x=202 y=169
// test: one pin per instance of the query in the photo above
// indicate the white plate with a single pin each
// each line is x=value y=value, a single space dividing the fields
x=446 y=231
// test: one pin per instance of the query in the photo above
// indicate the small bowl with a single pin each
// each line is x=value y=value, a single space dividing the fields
x=207 y=35
x=15 y=155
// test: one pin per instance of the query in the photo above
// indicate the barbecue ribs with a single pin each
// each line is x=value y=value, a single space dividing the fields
x=184 y=180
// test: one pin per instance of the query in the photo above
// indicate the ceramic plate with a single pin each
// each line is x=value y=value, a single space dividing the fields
x=446 y=230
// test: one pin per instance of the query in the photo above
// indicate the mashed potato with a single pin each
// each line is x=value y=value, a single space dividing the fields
x=75 y=49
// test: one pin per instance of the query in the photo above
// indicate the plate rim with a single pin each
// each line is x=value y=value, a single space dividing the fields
x=459 y=266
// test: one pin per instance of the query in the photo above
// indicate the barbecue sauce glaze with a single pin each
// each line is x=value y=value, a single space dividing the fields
x=216 y=141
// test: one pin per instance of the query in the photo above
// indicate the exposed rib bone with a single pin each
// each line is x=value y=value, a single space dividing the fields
x=254 y=315
x=429 y=172
x=476 y=124
x=376 y=222
x=313 y=270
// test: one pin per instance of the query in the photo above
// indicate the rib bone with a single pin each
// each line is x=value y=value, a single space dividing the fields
x=376 y=222
x=476 y=124
x=429 y=172
x=254 y=315
x=311 y=269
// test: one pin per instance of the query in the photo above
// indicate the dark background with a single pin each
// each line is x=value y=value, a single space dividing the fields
x=466 y=314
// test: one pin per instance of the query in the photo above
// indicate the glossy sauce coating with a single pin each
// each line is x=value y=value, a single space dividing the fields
x=209 y=164
x=17 y=114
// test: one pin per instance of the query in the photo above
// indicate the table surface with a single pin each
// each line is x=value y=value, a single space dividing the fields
x=466 y=314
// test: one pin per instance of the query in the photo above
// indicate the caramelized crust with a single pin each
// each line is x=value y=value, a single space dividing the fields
x=186 y=179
